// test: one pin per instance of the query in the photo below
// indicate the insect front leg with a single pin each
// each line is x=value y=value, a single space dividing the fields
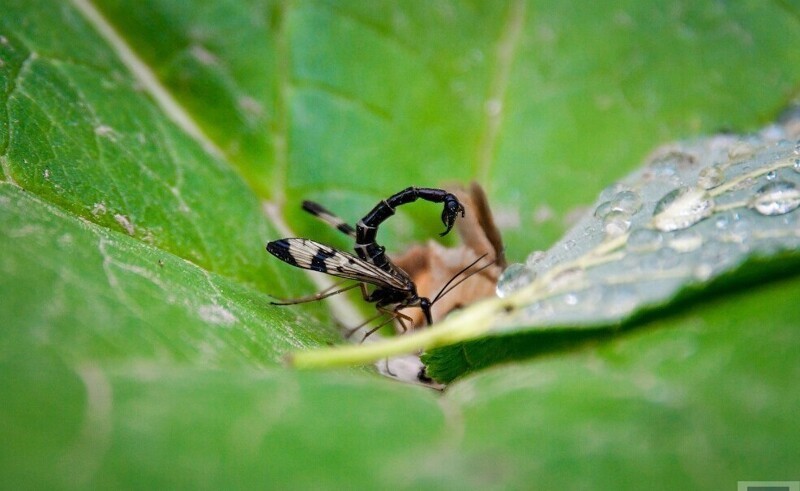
x=393 y=314
x=368 y=297
x=354 y=330
x=400 y=316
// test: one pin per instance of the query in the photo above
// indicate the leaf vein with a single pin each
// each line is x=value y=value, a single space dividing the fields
x=493 y=109
x=142 y=72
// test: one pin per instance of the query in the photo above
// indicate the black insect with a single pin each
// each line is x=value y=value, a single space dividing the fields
x=367 y=228
x=394 y=290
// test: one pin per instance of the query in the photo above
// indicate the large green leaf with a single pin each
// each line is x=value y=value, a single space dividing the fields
x=699 y=400
x=138 y=141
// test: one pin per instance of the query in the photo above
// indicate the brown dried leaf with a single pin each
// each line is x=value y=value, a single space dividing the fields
x=431 y=266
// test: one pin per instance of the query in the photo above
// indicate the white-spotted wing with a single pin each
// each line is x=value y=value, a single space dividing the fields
x=307 y=254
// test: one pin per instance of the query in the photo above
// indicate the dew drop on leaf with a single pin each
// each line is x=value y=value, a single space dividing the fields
x=685 y=241
x=603 y=209
x=740 y=150
x=681 y=208
x=721 y=222
x=535 y=258
x=703 y=272
x=776 y=198
x=615 y=224
x=628 y=202
x=610 y=191
x=513 y=278
x=711 y=177
x=644 y=240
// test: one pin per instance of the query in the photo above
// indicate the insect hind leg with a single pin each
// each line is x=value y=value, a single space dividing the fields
x=319 y=295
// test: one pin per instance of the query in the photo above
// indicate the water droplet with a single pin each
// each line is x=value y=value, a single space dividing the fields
x=718 y=255
x=569 y=245
x=644 y=240
x=663 y=259
x=797 y=148
x=616 y=223
x=571 y=299
x=731 y=227
x=771 y=175
x=611 y=191
x=681 y=208
x=514 y=278
x=602 y=209
x=685 y=241
x=535 y=259
x=776 y=198
x=711 y=177
x=671 y=162
x=740 y=150
x=746 y=183
x=534 y=311
x=796 y=165
x=739 y=232
x=628 y=202
x=703 y=272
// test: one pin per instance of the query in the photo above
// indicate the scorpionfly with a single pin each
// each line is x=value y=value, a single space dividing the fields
x=394 y=290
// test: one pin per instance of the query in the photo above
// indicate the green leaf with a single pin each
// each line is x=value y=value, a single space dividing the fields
x=138 y=143
x=698 y=215
x=94 y=295
x=702 y=397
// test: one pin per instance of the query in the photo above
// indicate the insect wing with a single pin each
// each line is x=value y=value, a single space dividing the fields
x=326 y=216
x=307 y=254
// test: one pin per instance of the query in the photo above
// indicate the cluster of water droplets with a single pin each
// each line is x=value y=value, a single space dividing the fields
x=694 y=211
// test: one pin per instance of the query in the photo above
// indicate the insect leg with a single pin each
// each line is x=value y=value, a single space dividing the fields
x=400 y=316
x=319 y=295
x=381 y=312
x=371 y=331
x=353 y=330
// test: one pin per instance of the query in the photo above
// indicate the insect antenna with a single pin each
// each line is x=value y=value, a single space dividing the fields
x=445 y=290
